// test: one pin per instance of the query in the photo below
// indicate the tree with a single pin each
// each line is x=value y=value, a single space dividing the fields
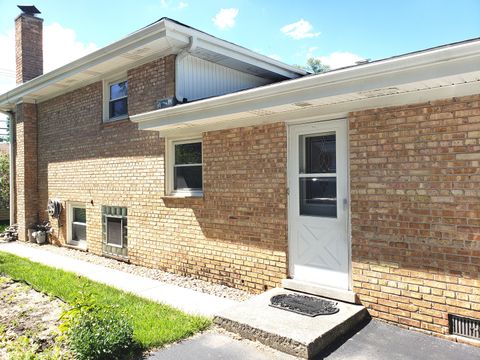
x=4 y=181
x=316 y=66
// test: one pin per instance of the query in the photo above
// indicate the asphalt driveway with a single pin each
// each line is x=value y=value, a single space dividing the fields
x=376 y=340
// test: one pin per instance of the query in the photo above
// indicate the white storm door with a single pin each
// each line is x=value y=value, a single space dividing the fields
x=319 y=248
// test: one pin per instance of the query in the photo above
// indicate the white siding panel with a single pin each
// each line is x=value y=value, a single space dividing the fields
x=199 y=79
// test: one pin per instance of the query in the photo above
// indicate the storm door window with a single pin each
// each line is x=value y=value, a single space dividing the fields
x=318 y=175
x=118 y=103
x=187 y=167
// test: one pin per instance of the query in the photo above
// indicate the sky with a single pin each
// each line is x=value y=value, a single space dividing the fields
x=338 y=32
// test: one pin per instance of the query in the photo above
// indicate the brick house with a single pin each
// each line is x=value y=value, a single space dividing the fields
x=173 y=149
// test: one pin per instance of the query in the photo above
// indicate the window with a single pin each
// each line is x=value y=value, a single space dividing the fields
x=187 y=176
x=77 y=224
x=115 y=98
x=118 y=106
x=318 y=178
x=114 y=220
x=115 y=231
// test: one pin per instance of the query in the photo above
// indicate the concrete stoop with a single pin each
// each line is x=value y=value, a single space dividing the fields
x=292 y=333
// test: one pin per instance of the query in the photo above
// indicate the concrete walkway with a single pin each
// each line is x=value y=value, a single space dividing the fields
x=187 y=300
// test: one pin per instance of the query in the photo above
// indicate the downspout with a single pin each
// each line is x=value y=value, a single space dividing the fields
x=192 y=45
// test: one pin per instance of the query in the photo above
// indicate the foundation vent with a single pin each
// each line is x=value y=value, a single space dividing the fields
x=464 y=326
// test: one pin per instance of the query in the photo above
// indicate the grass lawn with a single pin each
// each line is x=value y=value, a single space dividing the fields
x=154 y=324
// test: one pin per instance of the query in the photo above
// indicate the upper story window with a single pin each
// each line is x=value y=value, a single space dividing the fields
x=115 y=98
x=118 y=106
x=186 y=173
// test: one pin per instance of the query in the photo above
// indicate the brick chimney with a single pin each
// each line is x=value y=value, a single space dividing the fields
x=28 y=44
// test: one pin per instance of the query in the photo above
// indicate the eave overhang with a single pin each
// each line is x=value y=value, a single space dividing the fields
x=159 y=39
x=439 y=73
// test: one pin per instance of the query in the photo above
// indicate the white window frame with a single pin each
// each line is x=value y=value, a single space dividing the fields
x=106 y=97
x=170 y=168
x=122 y=230
x=70 y=241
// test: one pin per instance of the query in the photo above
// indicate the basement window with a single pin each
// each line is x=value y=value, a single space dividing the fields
x=77 y=224
x=186 y=178
x=114 y=226
x=115 y=231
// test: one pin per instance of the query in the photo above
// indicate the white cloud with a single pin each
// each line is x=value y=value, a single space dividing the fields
x=311 y=50
x=182 y=5
x=299 y=30
x=225 y=18
x=60 y=46
x=340 y=59
x=164 y=4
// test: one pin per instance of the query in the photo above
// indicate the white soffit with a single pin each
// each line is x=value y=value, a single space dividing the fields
x=154 y=41
x=435 y=74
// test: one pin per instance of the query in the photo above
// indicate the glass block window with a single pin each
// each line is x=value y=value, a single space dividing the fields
x=115 y=231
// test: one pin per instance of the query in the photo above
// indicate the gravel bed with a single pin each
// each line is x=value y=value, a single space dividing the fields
x=156 y=274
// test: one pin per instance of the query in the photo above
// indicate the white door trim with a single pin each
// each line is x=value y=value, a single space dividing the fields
x=293 y=128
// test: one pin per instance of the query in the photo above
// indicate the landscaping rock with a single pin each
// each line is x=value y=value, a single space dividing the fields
x=155 y=274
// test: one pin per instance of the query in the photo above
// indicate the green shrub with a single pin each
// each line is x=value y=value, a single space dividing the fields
x=96 y=332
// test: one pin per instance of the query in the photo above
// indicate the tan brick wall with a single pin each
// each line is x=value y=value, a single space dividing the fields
x=149 y=83
x=234 y=235
x=26 y=167
x=414 y=199
x=415 y=190
x=28 y=47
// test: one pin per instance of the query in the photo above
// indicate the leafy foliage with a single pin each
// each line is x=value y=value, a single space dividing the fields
x=4 y=181
x=95 y=332
x=315 y=65
x=145 y=315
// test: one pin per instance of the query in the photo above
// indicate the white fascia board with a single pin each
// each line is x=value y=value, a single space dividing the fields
x=141 y=37
x=437 y=64
x=314 y=113
x=177 y=35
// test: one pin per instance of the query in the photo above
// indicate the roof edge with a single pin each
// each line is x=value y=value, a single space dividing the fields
x=389 y=68
x=143 y=35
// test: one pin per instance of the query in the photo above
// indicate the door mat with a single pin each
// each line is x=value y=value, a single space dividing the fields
x=304 y=305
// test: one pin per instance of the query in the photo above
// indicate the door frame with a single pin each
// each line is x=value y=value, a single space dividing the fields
x=290 y=208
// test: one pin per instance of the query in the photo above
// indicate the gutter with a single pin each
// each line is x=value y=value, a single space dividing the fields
x=163 y=28
x=456 y=59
